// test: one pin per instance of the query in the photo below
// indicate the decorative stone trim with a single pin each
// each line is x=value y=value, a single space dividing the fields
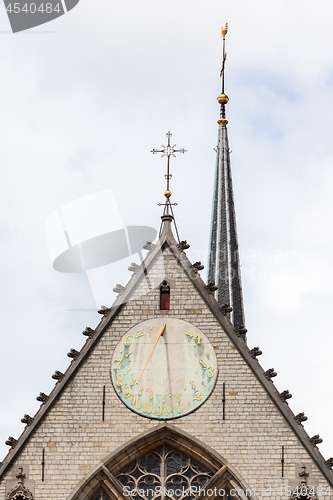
x=303 y=491
x=270 y=373
x=197 y=266
x=89 y=332
x=300 y=417
x=316 y=439
x=42 y=398
x=284 y=395
x=11 y=442
x=329 y=463
x=211 y=287
x=119 y=288
x=135 y=268
x=103 y=310
x=27 y=420
x=241 y=332
x=20 y=492
x=58 y=375
x=255 y=352
x=149 y=246
x=226 y=309
x=73 y=353
x=183 y=245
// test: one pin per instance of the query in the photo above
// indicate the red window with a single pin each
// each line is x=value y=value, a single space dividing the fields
x=164 y=296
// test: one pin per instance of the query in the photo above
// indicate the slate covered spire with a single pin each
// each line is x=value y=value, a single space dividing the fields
x=224 y=265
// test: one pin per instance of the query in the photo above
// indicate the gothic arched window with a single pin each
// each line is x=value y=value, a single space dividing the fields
x=163 y=473
x=165 y=464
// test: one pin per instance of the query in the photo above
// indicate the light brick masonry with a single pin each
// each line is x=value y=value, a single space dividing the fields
x=250 y=439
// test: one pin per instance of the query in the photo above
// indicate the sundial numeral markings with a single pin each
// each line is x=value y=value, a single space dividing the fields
x=198 y=338
x=164 y=410
x=128 y=340
x=127 y=392
x=119 y=361
x=197 y=395
x=148 y=408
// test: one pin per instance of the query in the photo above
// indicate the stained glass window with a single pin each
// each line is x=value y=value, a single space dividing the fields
x=163 y=474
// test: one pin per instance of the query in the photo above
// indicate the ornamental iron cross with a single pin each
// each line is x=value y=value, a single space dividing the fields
x=168 y=151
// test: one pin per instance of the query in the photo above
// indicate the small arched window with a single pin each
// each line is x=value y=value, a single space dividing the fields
x=164 y=296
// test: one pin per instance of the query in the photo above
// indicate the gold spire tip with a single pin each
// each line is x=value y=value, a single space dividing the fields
x=224 y=30
x=167 y=193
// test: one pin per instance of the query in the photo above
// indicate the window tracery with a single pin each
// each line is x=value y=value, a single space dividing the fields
x=163 y=474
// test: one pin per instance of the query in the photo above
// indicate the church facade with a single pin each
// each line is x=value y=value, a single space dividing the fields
x=97 y=439
x=165 y=400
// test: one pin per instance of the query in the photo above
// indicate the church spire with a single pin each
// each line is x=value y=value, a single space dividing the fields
x=224 y=266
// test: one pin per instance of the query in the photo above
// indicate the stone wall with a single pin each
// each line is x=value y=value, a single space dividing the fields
x=76 y=439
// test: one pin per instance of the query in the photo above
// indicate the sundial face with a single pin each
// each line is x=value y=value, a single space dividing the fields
x=164 y=368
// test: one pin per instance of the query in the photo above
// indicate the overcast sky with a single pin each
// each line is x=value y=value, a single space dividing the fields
x=83 y=101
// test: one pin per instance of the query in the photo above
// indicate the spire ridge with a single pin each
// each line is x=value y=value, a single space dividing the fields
x=224 y=265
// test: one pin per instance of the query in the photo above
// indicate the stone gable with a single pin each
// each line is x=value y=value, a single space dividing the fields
x=249 y=433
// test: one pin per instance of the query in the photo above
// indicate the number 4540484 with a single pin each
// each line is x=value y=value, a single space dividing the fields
x=303 y=491
x=31 y=8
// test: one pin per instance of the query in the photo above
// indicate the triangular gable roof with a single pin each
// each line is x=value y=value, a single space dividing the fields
x=165 y=241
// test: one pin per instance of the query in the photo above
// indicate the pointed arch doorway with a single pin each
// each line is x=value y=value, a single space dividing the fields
x=165 y=464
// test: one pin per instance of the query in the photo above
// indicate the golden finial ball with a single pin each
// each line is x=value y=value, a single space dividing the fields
x=222 y=99
x=167 y=194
